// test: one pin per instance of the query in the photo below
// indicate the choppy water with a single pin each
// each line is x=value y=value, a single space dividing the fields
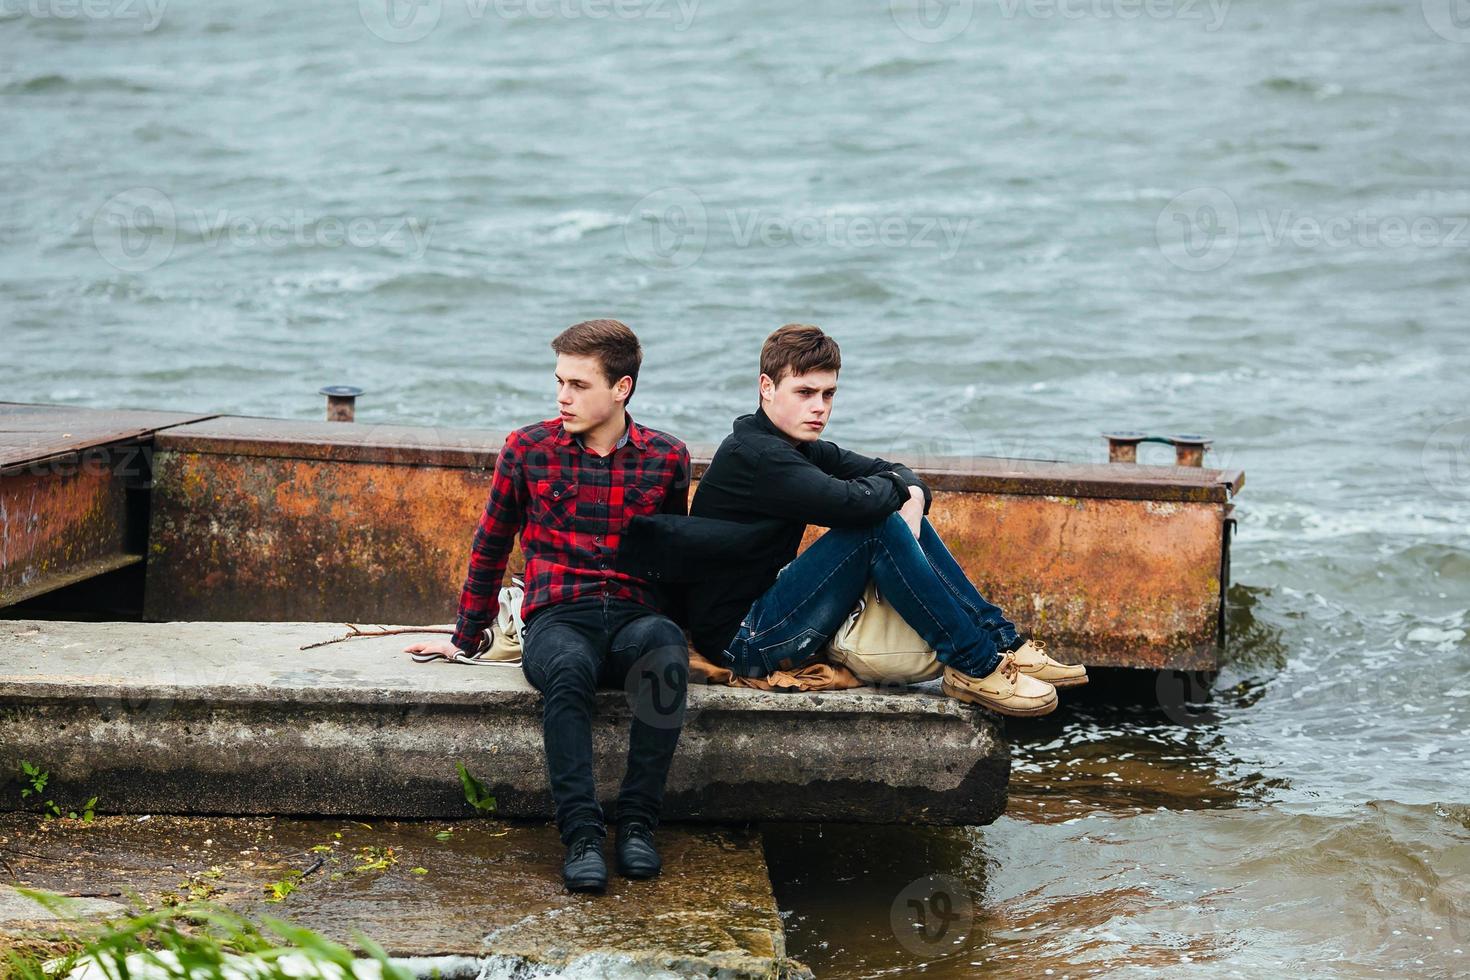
x=1026 y=222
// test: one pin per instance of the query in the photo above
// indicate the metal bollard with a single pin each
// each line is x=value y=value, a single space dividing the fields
x=1189 y=450
x=341 y=402
x=1123 y=445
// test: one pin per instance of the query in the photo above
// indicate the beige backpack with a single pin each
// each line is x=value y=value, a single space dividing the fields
x=877 y=645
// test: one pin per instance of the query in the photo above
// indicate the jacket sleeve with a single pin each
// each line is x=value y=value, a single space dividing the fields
x=846 y=465
x=670 y=548
x=793 y=488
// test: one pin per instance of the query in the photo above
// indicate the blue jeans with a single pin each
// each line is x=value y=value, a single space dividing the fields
x=790 y=624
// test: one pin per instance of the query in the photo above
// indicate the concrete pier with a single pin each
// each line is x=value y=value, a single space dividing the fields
x=471 y=894
x=272 y=520
x=234 y=718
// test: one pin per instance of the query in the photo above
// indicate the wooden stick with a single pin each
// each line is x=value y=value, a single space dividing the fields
x=356 y=632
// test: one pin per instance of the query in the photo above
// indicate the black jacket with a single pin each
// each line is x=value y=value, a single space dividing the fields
x=751 y=508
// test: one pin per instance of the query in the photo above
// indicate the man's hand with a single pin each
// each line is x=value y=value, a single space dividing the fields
x=912 y=512
x=428 y=648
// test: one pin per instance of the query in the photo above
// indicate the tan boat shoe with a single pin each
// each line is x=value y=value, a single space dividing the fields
x=1032 y=659
x=1005 y=690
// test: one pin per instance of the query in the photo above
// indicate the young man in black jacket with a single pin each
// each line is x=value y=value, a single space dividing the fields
x=754 y=606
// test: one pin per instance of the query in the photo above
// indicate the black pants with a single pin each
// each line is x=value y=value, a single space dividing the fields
x=571 y=649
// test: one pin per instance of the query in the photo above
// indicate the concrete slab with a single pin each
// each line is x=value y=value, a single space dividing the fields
x=235 y=718
x=477 y=888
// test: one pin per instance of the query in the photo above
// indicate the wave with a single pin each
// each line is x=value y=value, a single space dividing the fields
x=52 y=82
x=1287 y=85
x=898 y=67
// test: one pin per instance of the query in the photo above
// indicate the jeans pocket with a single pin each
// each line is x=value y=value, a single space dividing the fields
x=793 y=653
x=739 y=658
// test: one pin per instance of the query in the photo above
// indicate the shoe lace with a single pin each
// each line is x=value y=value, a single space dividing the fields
x=582 y=845
x=638 y=829
x=1008 y=668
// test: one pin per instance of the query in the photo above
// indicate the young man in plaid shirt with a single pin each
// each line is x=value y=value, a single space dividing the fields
x=569 y=486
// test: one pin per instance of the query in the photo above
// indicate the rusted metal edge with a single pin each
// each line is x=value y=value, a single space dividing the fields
x=52 y=458
x=1073 y=481
x=78 y=573
x=477 y=450
x=459 y=457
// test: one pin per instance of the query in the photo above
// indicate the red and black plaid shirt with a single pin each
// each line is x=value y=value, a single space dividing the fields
x=570 y=507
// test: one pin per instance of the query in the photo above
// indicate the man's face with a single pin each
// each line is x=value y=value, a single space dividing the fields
x=801 y=405
x=583 y=395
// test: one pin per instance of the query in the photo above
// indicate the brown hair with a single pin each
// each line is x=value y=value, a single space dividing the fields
x=610 y=341
x=799 y=348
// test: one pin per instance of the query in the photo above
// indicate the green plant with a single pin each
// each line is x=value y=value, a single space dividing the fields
x=375 y=858
x=196 y=886
x=198 y=940
x=474 y=791
x=38 y=778
x=277 y=890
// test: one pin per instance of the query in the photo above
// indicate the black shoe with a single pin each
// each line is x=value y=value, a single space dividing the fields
x=637 y=857
x=584 y=869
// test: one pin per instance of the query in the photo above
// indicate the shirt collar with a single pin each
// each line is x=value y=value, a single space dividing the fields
x=633 y=433
x=763 y=421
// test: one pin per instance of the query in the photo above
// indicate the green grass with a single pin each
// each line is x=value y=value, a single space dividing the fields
x=193 y=940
